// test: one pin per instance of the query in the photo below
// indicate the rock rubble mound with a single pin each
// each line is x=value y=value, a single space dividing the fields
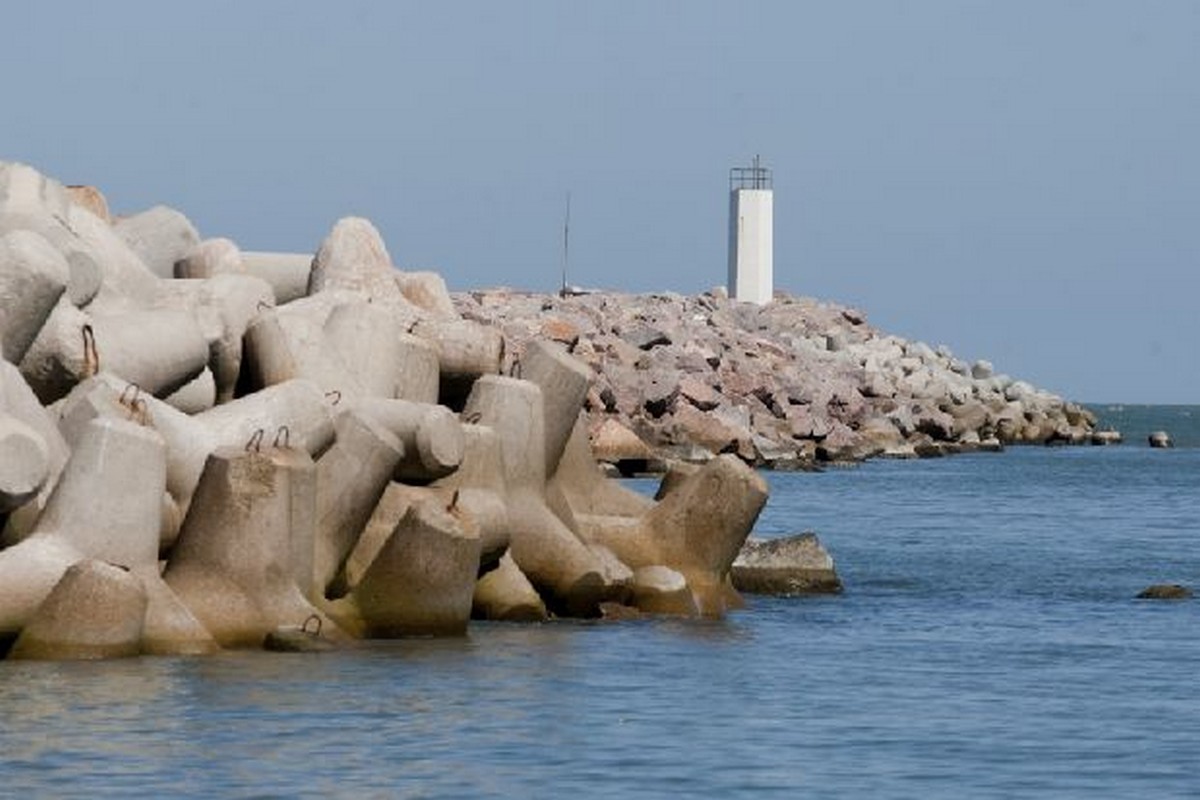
x=791 y=384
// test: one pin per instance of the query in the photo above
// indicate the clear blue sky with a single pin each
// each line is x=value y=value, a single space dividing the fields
x=1017 y=180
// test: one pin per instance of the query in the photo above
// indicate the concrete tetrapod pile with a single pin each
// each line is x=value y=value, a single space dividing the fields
x=202 y=448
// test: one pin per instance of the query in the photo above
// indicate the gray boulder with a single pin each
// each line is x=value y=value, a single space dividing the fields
x=792 y=565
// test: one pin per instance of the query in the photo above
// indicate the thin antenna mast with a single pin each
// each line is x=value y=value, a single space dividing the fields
x=562 y=292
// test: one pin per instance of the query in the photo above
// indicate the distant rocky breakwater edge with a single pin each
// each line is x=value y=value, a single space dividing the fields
x=793 y=384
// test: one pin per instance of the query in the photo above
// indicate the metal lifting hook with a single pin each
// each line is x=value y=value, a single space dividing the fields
x=255 y=441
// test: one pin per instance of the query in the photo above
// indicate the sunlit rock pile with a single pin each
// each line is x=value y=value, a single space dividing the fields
x=203 y=448
x=789 y=384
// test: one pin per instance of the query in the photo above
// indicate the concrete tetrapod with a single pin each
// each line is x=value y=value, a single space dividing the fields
x=33 y=275
x=233 y=565
x=296 y=406
x=432 y=436
x=351 y=478
x=96 y=610
x=18 y=401
x=570 y=577
x=24 y=463
x=287 y=273
x=107 y=505
x=315 y=338
x=422 y=580
x=697 y=529
x=564 y=382
x=160 y=350
x=466 y=350
x=506 y=595
x=224 y=306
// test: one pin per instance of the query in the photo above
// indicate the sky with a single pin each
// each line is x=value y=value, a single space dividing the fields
x=1016 y=180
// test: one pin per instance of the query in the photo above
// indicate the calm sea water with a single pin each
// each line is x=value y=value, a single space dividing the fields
x=988 y=645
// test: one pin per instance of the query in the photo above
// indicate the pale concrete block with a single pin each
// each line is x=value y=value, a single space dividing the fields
x=24 y=463
x=366 y=340
x=56 y=360
x=28 y=572
x=124 y=276
x=300 y=473
x=697 y=529
x=427 y=291
x=19 y=401
x=33 y=276
x=422 y=580
x=210 y=258
x=351 y=478
x=197 y=395
x=287 y=273
x=233 y=565
x=564 y=382
x=432 y=436
x=224 y=307
x=159 y=236
x=393 y=504
x=418 y=372
x=662 y=590
x=30 y=201
x=158 y=350
x=354 y=257
x=108 y=503
x=97 y=610
x=170 y=629
x=466 y=350
x=506 y=595
x=298 y=405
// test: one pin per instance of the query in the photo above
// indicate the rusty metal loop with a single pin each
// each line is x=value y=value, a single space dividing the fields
x=143 y=411
x=337 y=396
x=304 y=627
x=91 y=356
x=473 y=418
x=263 y=305
x=127 y=399
x=453 y=501
x=284 y=434
x=255 y=441
x=514 y=371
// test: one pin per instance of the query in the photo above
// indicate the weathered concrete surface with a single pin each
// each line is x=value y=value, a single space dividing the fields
x=287 y=273
x=791 y=565
x=233 y=565
x=95 y=611
x=697 y=529
x=159 y=236
x=33 y=276
x=662 y=590
x=431 y=435
x=505 y=595
x=24 y=463
x=351 y=478
x=422 y=580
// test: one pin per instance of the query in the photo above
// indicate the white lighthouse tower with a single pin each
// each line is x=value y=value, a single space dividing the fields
x=751 y=237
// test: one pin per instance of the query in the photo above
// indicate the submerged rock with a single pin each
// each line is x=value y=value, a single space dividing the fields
x=1165 y=591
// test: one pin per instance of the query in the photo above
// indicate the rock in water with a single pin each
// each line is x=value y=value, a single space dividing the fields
x=1165 y=591
x=788 y=566
x=1161 y=439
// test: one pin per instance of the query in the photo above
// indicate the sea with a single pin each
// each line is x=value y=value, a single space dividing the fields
x=988 y=644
